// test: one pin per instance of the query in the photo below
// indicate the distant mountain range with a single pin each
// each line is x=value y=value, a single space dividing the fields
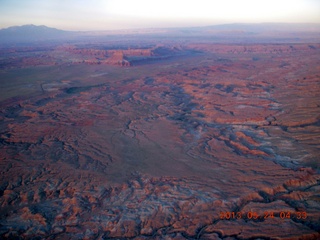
x=33 y=33
x=31 y=29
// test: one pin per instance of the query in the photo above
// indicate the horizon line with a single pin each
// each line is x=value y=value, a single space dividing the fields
x=162 y=28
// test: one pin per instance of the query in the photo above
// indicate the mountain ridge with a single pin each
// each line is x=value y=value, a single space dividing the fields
x=261 y=26
x=37 y=33
x=32 y=33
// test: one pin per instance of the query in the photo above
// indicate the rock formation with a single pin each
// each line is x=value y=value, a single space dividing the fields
x=222 y=143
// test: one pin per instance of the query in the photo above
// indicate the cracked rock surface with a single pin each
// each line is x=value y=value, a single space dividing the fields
x=166 y=150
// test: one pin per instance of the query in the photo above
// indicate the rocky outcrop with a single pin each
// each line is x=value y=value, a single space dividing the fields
x=117 y=58
x=210 y=146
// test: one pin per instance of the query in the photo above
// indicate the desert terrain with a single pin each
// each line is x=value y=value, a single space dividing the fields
x=160 y=139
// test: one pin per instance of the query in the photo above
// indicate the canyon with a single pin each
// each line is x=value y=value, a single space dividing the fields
x=178 y=140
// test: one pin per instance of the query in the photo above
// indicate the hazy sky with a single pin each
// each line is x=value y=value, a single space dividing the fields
x=123 y=14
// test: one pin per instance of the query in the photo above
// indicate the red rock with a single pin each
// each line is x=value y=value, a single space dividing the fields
x=160 y=151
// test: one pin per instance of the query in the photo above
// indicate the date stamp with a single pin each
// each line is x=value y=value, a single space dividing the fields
x=252 y=215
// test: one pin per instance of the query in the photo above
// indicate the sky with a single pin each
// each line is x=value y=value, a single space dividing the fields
x=128 y=14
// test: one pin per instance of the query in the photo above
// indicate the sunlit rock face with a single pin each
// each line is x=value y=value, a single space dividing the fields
x=195 y=141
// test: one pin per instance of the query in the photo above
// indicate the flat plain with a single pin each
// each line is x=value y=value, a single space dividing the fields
x=178 y=140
